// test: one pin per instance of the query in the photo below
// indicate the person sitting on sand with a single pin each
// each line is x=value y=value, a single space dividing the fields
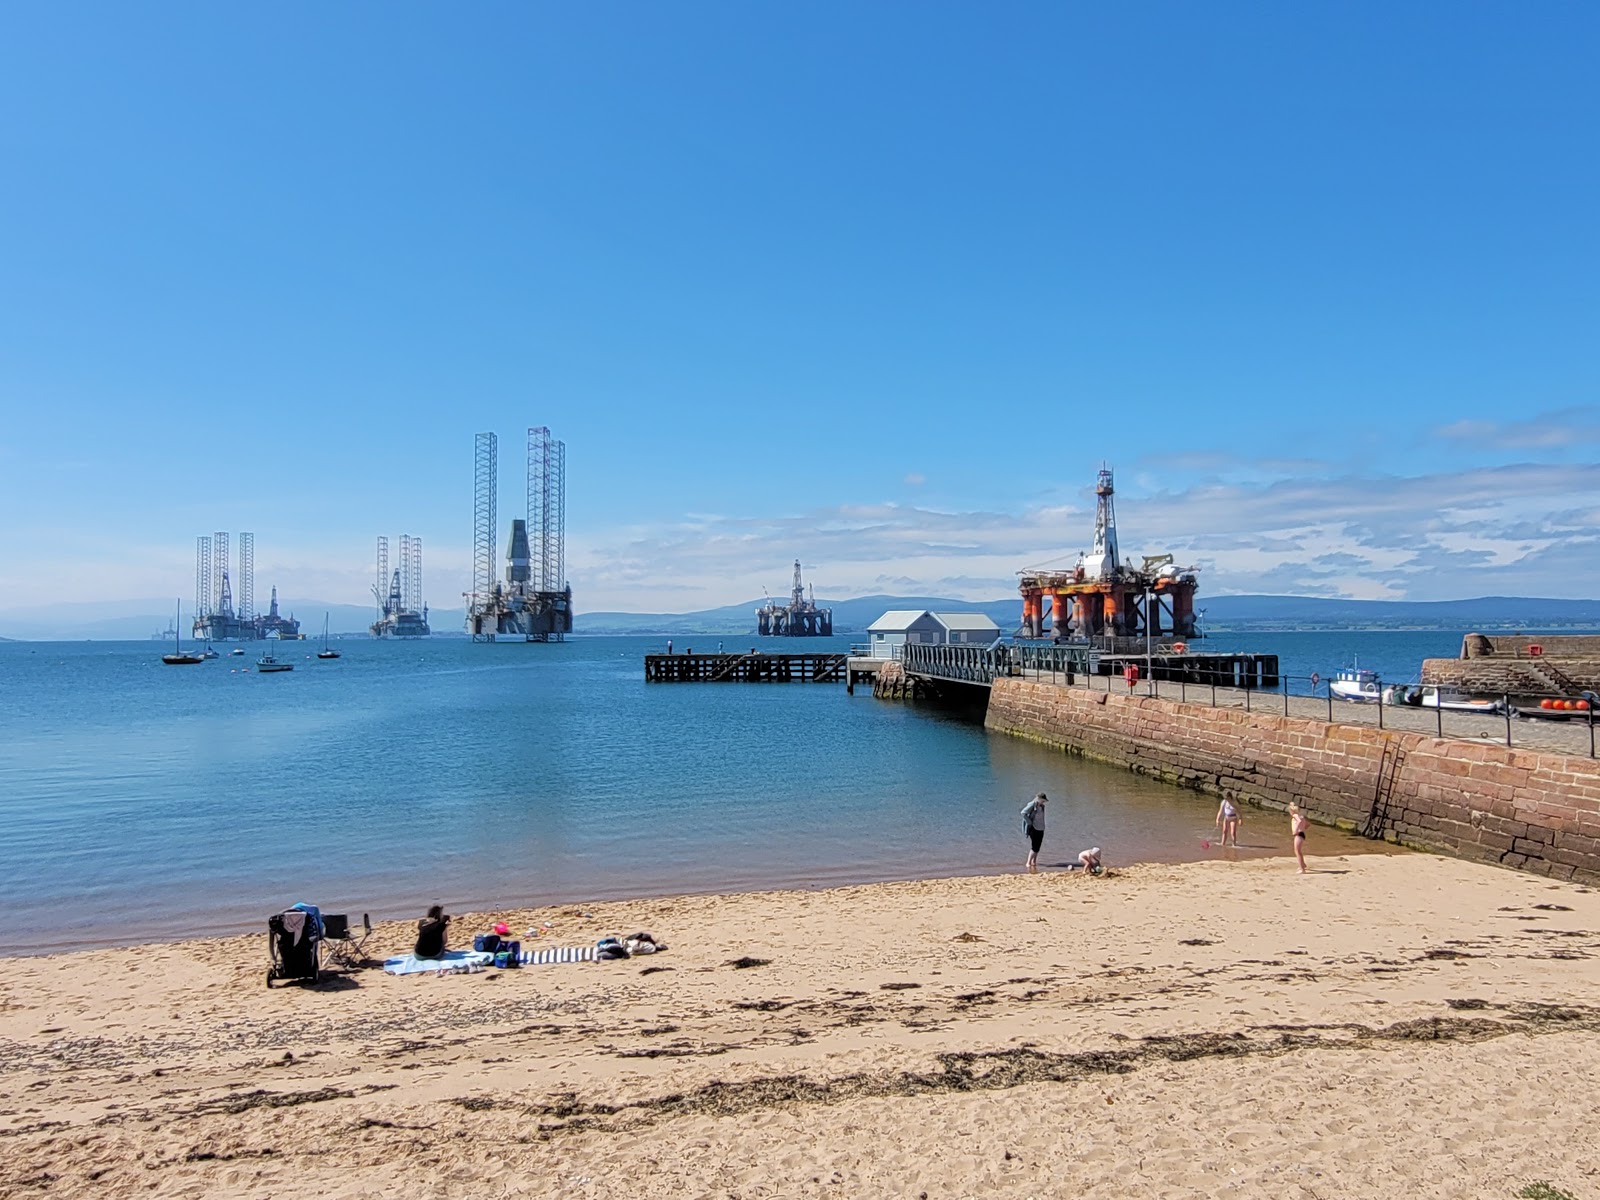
x=1298 y=824
x=431 y=933
x=1090 y=861
x=1228 y=821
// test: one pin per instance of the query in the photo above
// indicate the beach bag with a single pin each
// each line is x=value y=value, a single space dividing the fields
x=486 y=943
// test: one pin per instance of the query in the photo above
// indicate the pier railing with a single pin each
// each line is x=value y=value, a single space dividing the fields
x=1566 y=725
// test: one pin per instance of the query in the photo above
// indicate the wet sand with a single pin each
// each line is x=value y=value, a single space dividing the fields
x=1387 y=1025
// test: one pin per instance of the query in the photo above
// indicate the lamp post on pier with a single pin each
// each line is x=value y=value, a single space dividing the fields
x=1149 y=662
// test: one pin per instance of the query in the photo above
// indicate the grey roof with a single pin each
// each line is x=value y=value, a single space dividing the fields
x=897 y=620
x=967 y=621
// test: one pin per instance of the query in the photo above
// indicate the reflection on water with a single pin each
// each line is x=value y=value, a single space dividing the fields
x=142 y=801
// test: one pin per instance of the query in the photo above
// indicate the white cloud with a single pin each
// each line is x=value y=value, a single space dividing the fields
x=1519 y=529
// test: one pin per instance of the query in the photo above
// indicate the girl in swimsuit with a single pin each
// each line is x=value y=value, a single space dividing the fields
x=1297 y=828
x=1228 y=821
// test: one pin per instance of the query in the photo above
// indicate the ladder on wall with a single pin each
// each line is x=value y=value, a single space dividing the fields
x=1389 y=763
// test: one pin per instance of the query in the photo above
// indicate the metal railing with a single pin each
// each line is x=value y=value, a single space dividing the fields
x=1514 y=718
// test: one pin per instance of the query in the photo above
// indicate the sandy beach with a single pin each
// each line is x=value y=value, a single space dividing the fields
x=1389 y=1025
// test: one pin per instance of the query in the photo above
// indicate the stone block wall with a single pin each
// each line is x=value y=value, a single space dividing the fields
x=1521 y=808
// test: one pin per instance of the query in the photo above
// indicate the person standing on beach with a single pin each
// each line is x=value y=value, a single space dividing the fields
x=1033 y=826
x=1297 y=828
x=1228 y=821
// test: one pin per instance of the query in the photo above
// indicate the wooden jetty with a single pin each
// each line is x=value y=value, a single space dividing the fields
x=754 y=667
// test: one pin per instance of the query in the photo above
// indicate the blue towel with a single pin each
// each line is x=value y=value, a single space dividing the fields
x=314 y=912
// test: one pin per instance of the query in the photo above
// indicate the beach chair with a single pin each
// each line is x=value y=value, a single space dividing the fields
x=344 y=945
x=294 y=939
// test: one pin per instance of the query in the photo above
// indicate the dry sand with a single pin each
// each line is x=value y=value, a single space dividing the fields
x=1386 y=1026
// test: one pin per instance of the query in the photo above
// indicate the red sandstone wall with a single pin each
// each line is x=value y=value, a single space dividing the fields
x=1536 y=811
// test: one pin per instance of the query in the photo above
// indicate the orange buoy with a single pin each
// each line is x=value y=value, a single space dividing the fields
x=1180 y=647
x=1583 y=706
x=1547 y=704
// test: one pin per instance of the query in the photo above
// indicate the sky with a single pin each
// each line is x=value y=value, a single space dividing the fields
x=876 y=286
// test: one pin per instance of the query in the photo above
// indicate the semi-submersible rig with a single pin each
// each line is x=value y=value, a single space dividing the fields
x=534 y=601
x=1106 y=601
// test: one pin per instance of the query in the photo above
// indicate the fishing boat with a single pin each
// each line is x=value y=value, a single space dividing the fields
x=1356 y=683
x=327 y=651
x=267 y=662
x=178 y=658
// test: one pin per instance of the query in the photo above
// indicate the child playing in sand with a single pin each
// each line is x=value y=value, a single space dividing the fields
x=1033 y=824
x=1297 y=827
x=1228 y=820
x=1090 y=860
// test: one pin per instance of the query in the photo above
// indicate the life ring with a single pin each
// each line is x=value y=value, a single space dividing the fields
x=1535 y=650
x=1180 y=648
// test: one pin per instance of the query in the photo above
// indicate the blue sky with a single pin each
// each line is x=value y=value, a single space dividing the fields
x=876 y=286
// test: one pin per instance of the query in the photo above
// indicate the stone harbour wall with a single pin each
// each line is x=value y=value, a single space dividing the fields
x=1532 y=810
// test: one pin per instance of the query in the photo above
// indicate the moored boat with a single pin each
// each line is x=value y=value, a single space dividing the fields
x=1357 y=684
x=178 y=658
x=1454 y=701
x=268 y=663
x=327 y=651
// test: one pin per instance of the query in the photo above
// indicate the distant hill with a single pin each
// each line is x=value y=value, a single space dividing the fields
x=736 y=620
x=138 y=620
x=1219 y=613
x=1305 y=612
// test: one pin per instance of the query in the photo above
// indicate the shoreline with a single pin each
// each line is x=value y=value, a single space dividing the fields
x=238 y=924
x=1192 y=1027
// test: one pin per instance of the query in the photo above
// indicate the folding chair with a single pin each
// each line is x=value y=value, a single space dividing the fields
x=342 y=944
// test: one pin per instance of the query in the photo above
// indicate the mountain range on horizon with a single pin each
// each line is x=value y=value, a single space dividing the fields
x=80 y=621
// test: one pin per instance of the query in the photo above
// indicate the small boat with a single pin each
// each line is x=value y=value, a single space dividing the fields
x=327 y=651
x=178 y=658
x=1453 y=701
x=267 y=663
x=1356 y=683
x=237 y=650
x=208 y=652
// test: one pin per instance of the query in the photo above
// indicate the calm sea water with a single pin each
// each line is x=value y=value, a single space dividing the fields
x=142 y=801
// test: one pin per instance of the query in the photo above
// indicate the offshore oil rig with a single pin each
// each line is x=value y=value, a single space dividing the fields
x=534 y=601
x=217 y=617
x=402 y=612
x=1106 y=602
x=799 y=618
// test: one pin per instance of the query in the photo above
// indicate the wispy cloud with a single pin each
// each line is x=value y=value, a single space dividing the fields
x=1522 y=528
x=1548 y=431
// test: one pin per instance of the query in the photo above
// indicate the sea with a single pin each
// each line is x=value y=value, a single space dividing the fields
x=145 y=802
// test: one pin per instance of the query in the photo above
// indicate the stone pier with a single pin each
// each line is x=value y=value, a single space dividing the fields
x=1534 y=810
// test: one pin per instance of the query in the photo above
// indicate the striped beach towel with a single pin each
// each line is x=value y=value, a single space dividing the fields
x=558 y=954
